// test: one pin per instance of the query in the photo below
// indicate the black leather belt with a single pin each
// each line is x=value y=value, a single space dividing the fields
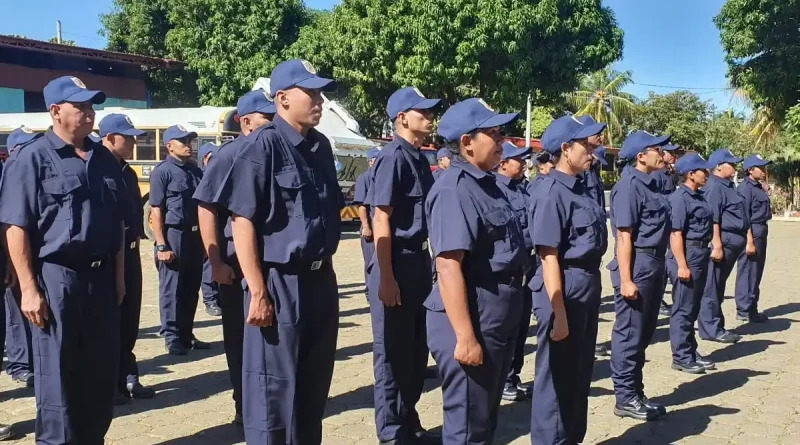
x=696 y=243
x=652 y=251
x=581 y=264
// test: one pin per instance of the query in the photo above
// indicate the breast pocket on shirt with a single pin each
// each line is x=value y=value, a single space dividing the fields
x=700 y=219
x=297 y=194
x=177 y=194
x=587 y=227
x=497 y=221
x=59 y=200
x=761 y=205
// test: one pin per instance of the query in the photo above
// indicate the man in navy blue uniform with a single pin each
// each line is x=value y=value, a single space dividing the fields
x=178 y=248
x=640 y=214
x=691 y=222
x=363 y=186
x=118 y=135
x=511 y=181
x=667 y=181
x=64 y=230
x=728 y=241
x=443 y=162
x=17 y=328
x=751 y=261
x=283 y=193
x=543 y=164
x=208 y=287
x=255 y=110
x=401 y=181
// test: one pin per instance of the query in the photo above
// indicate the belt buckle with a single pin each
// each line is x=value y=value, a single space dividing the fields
x=425 y=245
x=194 y=228
x=96 y=264
x=316 y=265
x=133 y=245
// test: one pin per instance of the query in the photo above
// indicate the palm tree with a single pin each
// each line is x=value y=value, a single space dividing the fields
x=600 y=95
x=765 y=127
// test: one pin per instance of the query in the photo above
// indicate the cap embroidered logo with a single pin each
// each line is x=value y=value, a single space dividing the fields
x=482 y=102
x=78 y=83
x=576 y=119
x=266 y=95
x=26 y=129
x=180 y=127
x=419 y=93
x=309 y=67
x=128 y=120
x=759 y=157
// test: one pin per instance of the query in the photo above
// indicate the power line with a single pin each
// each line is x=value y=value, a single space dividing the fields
x=81 y=35
x=683 y=88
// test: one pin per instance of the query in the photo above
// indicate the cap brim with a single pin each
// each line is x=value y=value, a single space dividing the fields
x=518 y=153
x=95 y=138
x=498 y=120
x=269 y=109
x=132 y=132
x=669 y=147
x=590 y=130
x=426 y=104
x=318 y=83
x=95 y=97
x=659 y=140
x=602 y=160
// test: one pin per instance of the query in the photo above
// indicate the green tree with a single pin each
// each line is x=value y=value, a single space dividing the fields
x=496 y=49
x=63 y=41
x=600 y=95
x=541 y=117
x=760 y=39
x=681 y=114
x=727 y=130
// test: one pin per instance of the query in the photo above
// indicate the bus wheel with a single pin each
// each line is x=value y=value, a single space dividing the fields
x=148 y=226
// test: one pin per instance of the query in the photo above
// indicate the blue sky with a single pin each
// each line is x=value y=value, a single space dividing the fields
x=670 y=43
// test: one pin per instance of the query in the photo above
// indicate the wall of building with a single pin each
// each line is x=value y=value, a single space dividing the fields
x=12 y=100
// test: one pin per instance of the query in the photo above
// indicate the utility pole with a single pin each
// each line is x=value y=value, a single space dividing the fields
x=58 y=31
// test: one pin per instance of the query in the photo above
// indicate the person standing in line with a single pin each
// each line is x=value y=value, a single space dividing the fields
x=691 y=222
x=668 y=182
x=284 y=197
x=511 y=181
x=363 y=186
x=401 y=181
x=178 y=248
x=443 y=161
x=751 y=261
x=730 y=238
x=568 y=229
x=118 y=135
x=255 y=110
x=640 y=214
x=208 y=287
x=543 y=164
x=64 y=230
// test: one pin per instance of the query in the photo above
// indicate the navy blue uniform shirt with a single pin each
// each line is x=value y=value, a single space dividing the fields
x=437 y=173
x=691 y=214
x=636 y=203
x=363 y=184
x=530 y=187
x=727 y=205
x=593 y=184
x=756 y=201
x=286 y=184
x=565 y=218
x=517 y=194
x=71 y=208
x=172 y=185
x=401 y=180
x=666 y=181
x=134 y=224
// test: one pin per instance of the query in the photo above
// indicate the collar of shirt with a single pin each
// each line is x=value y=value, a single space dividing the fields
x=722 y=181
x=690 y=191
x=507 y=180
x=56 y=143
x=473 y=171
x=753 y=182
x=567 y=180
x=644 y=177
x=410 y=149
x=176 y=161
x=292 y=135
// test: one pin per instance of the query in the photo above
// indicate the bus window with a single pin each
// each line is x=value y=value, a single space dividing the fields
x=146 y=146
x=3 y=140
x=163 y=148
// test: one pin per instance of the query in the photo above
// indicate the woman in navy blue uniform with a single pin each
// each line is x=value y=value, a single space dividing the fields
x=568 y=230
x=362 y=187
x=691 y=220
x=751 y=260
x=473 y=312
x=640 y=214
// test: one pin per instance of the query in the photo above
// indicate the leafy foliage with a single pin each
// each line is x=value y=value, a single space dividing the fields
x=681 y=114
x=600 y=95
x=63 y=41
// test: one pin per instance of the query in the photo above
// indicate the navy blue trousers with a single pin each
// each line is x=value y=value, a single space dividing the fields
x=76 y=355
x=750 y=271
x=130 y=312
x=634 y=326
x=231 y=300
x=400 y=346
x=686 y=297
x=17 y=335
x=288 y=367
x=208 y=287
x=471 y=394
x=522 y=336
x=367 y=250
x=564 y=368
x=179 y=285
x=711 y=322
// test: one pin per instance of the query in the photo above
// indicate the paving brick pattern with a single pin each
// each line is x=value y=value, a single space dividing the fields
x=752 y=398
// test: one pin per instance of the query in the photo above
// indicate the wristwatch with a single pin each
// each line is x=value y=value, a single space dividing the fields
x=162 y=248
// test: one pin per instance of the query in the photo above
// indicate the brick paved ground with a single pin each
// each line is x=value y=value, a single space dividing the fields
x=752 y=398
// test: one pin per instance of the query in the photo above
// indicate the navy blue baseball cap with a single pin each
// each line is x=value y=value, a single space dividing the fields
x=443 y=153
x=691 y=162
x=118 y=124
x=541 y=158
x=722 y=156
x=256 y=101
x=600 y=155
x=408 y=98
x=207 y=148
x=372 y=153
x=512 y=151
x=298 y=73
x=20 y=136
x=177 y=132
x=70 y=89
x=670 y=147
x=95 y=137
x=755 y=161
x=470 y=115
x=568 y=128
x=638 y=141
